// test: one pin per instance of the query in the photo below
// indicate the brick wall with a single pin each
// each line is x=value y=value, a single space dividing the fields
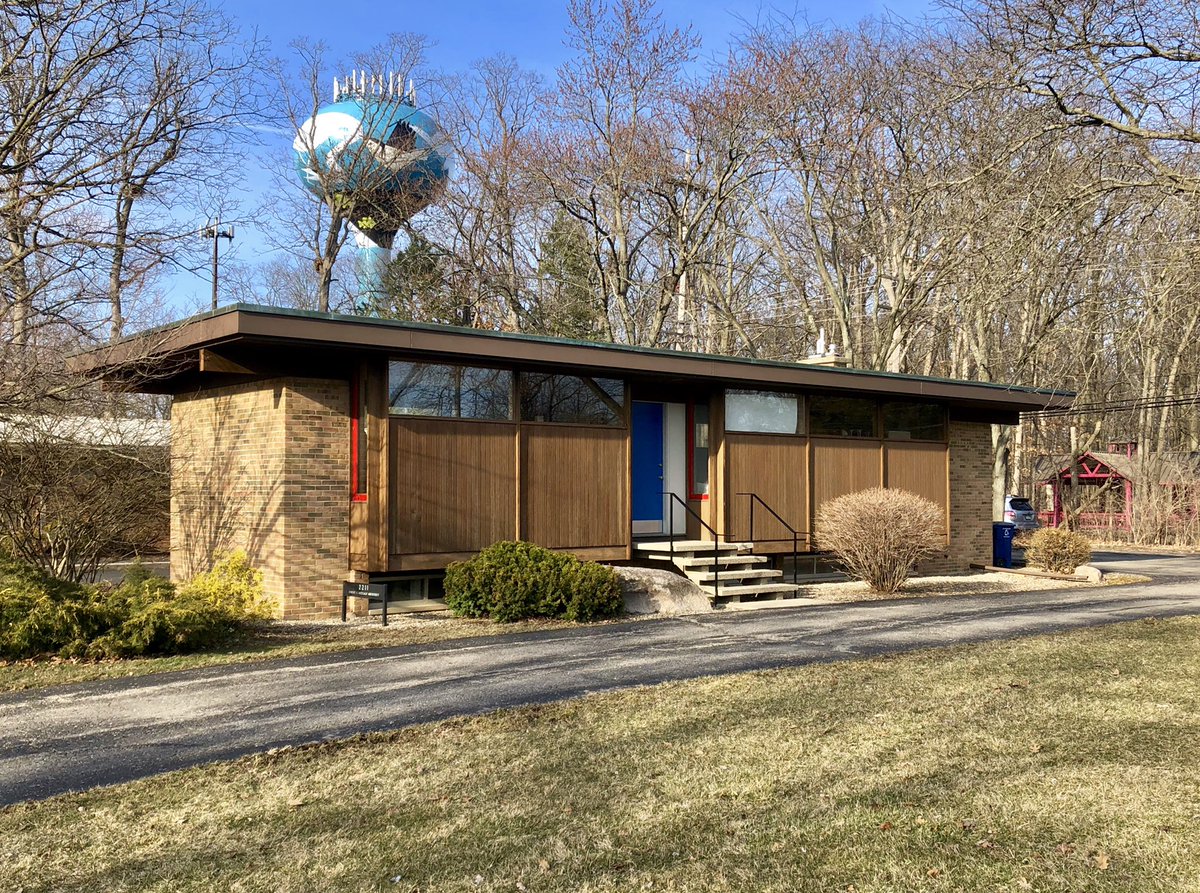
x=316 y=507
x=970 y=500
x=264 y=467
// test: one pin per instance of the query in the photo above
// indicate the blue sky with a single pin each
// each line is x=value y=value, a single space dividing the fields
x=462 y=32
x=529 y=31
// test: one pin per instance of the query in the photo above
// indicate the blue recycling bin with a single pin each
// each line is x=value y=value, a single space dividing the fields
x=1002 y=540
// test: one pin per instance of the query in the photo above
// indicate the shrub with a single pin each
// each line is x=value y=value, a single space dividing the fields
x=880 y=534
x=232 y=586
x=152 y=617
x=1021 y=539
x=143 y=615
x=595 y=592
x=1058 y=550
x=41 y=615
x=510 y=581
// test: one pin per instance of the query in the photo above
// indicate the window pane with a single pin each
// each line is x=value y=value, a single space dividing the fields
x=842 y=416
x=568 y=398
x=914 y=421
x=699 y=450
x=485 y=393
x=454 y=392
x=763 y=412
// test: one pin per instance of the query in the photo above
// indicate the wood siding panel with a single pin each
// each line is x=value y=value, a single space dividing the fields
x=843 y=466
x=453 y=485
x=775 y=468
x=573 y=486
x=919 y=468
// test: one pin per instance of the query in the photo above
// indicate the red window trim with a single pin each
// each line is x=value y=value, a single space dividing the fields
x=355 y=434
x=691 y=453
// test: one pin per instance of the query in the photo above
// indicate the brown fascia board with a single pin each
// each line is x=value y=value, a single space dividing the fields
x=147 y=352
x=331 y=331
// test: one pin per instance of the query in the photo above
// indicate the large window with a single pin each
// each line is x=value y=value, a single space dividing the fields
x=842 y=416
x=453 y=392
x=914 y=421
x=763 y=412
x=570 y=398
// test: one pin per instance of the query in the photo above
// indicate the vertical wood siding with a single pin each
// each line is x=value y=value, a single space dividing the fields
x=573 y=486
x=843 y=466
x=919 y=468
x=774 y=467
x=453 y=485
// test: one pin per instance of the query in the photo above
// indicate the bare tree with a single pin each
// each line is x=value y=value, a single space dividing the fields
x=610 y=140
x=1124 y=65
x=489 y=225
x=76 y=491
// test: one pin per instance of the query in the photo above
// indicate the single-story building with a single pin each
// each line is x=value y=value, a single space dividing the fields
x=338 y=448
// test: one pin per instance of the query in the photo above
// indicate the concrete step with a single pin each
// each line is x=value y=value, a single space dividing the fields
x=733 y=590
x=733 y=575
x=685 y=546
x=683 y=562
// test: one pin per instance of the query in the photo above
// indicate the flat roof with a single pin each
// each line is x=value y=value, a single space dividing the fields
x=161 y=358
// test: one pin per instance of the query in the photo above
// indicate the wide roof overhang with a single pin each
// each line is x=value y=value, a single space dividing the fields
x=242 y=341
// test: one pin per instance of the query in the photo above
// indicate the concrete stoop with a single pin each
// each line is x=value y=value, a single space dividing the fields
x=728 y=573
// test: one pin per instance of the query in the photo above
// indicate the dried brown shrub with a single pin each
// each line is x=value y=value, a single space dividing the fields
x=879 y=535
x=1058 y=550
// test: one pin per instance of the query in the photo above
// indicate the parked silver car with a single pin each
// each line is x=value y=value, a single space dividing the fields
x=1019 y=511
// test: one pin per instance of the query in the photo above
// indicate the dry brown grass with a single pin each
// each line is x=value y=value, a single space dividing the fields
x=1061 y=763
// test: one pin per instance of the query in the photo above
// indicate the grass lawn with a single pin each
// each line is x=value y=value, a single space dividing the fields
x=1062 y=763
x=268 y=640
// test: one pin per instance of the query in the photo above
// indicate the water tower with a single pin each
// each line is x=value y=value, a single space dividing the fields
x=378 y=157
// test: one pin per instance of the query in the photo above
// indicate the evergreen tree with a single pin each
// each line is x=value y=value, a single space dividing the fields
x=569 y=301
x=416 y=286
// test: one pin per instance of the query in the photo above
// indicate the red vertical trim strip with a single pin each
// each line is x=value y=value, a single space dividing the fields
x=355 y=434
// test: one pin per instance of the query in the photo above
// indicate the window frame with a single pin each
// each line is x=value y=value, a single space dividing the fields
x=876 y=416
x=513 y=407
x=691 y=451
x=622 y=422
x=883 y=429
x=801 y=398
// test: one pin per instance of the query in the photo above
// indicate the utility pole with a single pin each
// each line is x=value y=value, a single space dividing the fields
x=213 y=231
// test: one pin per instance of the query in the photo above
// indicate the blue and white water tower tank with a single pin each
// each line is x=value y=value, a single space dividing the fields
x=375 y=150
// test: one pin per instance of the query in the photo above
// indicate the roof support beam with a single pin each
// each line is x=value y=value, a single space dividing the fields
x=211 y=361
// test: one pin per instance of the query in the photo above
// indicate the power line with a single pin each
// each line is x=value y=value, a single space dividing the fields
x=1126 y=405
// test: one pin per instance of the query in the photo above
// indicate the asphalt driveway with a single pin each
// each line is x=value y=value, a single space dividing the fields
x=79 y=736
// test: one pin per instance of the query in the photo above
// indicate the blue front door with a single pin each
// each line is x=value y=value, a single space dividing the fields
x=647 y=464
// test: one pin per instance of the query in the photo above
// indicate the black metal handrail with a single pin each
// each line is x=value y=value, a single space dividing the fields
x=796 y=534
x=671 y=535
